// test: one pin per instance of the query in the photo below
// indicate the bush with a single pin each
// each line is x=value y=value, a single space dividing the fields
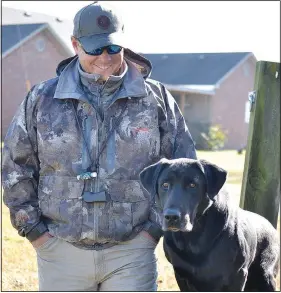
x=215 y=138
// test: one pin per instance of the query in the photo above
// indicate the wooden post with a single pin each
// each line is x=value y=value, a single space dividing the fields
x=260 y=191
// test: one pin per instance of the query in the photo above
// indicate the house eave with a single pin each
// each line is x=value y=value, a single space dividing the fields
x=194 y=89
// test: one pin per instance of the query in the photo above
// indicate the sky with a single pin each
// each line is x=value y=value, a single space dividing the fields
x=187 y=26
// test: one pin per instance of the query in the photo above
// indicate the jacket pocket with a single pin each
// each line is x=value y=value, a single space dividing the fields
x=60 y=199
x=129 y=207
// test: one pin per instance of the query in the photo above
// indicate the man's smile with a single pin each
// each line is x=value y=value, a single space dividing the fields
x=103 y=67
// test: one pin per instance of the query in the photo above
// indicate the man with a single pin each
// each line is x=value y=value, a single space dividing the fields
x=72 y=158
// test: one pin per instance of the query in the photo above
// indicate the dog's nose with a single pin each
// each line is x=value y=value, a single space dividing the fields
x=172 y=215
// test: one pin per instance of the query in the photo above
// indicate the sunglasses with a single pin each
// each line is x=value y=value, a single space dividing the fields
x=111 y=50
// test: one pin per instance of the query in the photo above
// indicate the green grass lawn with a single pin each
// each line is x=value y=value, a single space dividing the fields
x=19 y=258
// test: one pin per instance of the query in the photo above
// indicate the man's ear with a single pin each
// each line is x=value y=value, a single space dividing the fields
x=75 y=44
x=215 y=176
x=149 y=175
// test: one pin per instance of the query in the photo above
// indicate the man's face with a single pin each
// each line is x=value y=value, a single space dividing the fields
x=104 y=64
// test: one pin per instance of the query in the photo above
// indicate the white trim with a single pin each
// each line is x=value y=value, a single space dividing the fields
x=195 y=89
x=17 y=45
x=233 y=69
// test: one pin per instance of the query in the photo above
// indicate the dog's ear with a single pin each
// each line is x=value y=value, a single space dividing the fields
x=149 y=175
x=215 y=176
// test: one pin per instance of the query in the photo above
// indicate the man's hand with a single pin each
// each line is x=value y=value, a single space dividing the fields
x=41 y=240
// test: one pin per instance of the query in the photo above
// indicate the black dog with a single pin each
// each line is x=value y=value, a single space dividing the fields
x=212 y=245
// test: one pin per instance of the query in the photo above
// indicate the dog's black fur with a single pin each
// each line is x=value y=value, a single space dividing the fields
x=212 y=244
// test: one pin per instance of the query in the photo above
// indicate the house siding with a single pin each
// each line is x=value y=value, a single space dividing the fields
x=27 y=63
x=228 y=104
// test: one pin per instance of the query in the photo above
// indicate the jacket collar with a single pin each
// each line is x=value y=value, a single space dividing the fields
x=95 y=86
x=70 y=87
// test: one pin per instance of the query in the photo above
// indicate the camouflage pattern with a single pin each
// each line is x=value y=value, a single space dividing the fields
x=44 y=152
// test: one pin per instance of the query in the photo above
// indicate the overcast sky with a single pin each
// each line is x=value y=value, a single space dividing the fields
x=187 y=26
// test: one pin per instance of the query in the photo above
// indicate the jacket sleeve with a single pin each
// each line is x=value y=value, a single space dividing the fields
x=176 y=142
x=20 y=171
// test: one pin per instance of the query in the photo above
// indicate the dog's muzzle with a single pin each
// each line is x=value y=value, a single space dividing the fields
x=172 y=219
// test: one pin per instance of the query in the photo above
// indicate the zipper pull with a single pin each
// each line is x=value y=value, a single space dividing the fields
x=87 y=175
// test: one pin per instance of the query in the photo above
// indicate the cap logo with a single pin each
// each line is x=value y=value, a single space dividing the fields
x=103 y=22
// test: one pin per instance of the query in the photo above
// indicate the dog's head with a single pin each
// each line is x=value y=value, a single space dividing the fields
x=184 y=188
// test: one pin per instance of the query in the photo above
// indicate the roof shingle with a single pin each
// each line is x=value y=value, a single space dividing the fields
x=63 y=28
x=193 y=69
x=15 y=33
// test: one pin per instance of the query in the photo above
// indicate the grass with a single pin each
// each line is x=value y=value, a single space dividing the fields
x=19 y=267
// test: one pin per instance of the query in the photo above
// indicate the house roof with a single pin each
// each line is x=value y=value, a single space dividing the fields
x=196 y=69
x=196 y=72
x=13 y=34
x=61 y=28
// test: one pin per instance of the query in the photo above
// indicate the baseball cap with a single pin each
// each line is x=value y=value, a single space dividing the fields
x=98 y=25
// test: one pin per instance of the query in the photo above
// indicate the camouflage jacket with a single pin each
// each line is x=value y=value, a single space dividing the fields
x=44 y=151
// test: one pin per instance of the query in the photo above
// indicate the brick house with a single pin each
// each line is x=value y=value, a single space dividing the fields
x=32 y=46
x=210 y=88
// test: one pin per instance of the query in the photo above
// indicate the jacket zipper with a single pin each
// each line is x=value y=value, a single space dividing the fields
x=100 y=114
x=96 y=180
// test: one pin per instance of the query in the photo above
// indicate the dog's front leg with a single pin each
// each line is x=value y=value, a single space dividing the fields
x=239 y=280
x=183 y=284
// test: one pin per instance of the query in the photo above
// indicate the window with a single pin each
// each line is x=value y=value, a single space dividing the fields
x=40 y=44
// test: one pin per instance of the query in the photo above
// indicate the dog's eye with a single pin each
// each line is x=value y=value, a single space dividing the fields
x=192 y=185
x=166 y=185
